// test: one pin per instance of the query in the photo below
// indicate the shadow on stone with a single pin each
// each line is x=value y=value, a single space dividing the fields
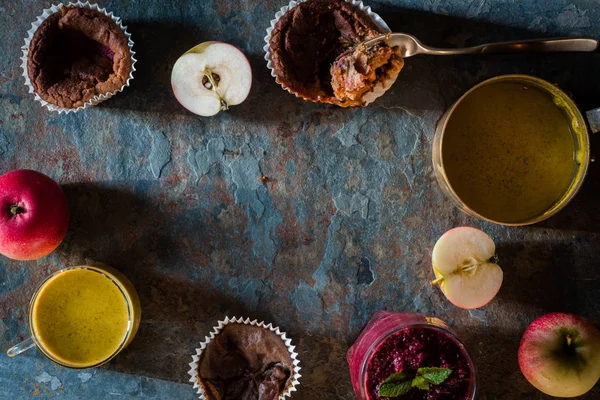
x=157 y=46
x=319 y=356
x=427 y=78
x=131 y=233
x=423 y=84
x=114 y=226
x=581 y=214
x=494 y=352
x=542 y=277
x=176 y=316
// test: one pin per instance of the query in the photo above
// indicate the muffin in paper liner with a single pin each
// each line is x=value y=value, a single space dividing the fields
x=293 y=380
x=96 y=99
x=369 y=97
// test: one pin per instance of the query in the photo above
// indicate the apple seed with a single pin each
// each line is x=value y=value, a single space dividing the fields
x=207 y=83
x=210 y=80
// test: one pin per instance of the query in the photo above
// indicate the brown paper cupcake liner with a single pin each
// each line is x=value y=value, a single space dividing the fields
x=379 y=90
x=293 y=381
x=96 y=99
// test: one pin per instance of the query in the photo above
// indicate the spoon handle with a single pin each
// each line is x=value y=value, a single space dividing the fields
x=575 y=44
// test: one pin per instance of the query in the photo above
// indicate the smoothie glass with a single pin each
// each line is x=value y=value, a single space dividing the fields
x=125 y=295
x=580 y=132
x=384 y=325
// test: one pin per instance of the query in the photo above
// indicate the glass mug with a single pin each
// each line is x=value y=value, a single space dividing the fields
x=384 y=325
x=82 y=317
x=581 y=144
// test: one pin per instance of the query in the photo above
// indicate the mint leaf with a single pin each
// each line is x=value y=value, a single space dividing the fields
x=420 y=383
x=398 y=377
x=394 y=389
x=396 y=384
x=434 y=375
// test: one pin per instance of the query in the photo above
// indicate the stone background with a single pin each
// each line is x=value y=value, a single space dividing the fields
x=344 y=226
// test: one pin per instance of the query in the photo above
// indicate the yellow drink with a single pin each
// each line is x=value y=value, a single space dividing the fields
x=82 y=317
x=509 y=152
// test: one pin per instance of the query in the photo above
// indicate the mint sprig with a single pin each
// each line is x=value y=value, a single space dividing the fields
x=402 y=382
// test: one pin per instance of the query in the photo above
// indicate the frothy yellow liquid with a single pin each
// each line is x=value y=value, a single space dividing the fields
x=80 y=318
x=509 y=152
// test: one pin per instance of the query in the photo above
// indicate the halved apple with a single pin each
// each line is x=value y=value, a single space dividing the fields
x=463 y=267
x=210 y=77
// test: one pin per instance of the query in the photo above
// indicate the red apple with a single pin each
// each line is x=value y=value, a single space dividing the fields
x=560 y=354
x=34 y=215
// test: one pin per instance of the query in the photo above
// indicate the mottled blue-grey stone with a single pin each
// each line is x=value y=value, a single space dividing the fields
x=342 y=227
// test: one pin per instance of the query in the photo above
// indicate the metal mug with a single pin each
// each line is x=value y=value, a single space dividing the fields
x=581 y=140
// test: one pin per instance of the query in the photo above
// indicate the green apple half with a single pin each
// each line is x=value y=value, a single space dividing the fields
x=210 y=77
x=463 y=268
x=560 y=354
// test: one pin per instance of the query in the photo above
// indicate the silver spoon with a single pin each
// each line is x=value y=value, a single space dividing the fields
x=411 y=46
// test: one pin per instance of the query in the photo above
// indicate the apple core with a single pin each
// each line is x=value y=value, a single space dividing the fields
x=16 y=209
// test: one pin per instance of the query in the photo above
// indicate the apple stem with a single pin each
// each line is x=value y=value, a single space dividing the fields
x=569 y=339
x=16 y=209
x=213 y=87
x=436 y=281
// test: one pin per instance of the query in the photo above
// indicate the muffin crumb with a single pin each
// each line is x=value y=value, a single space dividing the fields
x=358 y=72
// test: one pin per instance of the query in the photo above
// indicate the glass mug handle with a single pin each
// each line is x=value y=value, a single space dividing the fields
x=21 y=347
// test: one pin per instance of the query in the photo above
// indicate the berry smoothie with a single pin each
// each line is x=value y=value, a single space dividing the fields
x=407 y=342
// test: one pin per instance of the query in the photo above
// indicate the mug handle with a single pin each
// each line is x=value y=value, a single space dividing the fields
x=593 y=117
x=21 y=347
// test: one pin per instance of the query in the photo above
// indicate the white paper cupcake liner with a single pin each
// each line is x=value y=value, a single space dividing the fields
x=379 y=89
x=96 y=99
x=295 y=376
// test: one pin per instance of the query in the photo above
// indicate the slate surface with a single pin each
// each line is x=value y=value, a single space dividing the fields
x=344 y=226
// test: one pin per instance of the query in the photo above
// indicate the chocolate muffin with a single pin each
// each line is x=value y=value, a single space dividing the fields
x=77 y=54
x=307 y=40
x=245 y=362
